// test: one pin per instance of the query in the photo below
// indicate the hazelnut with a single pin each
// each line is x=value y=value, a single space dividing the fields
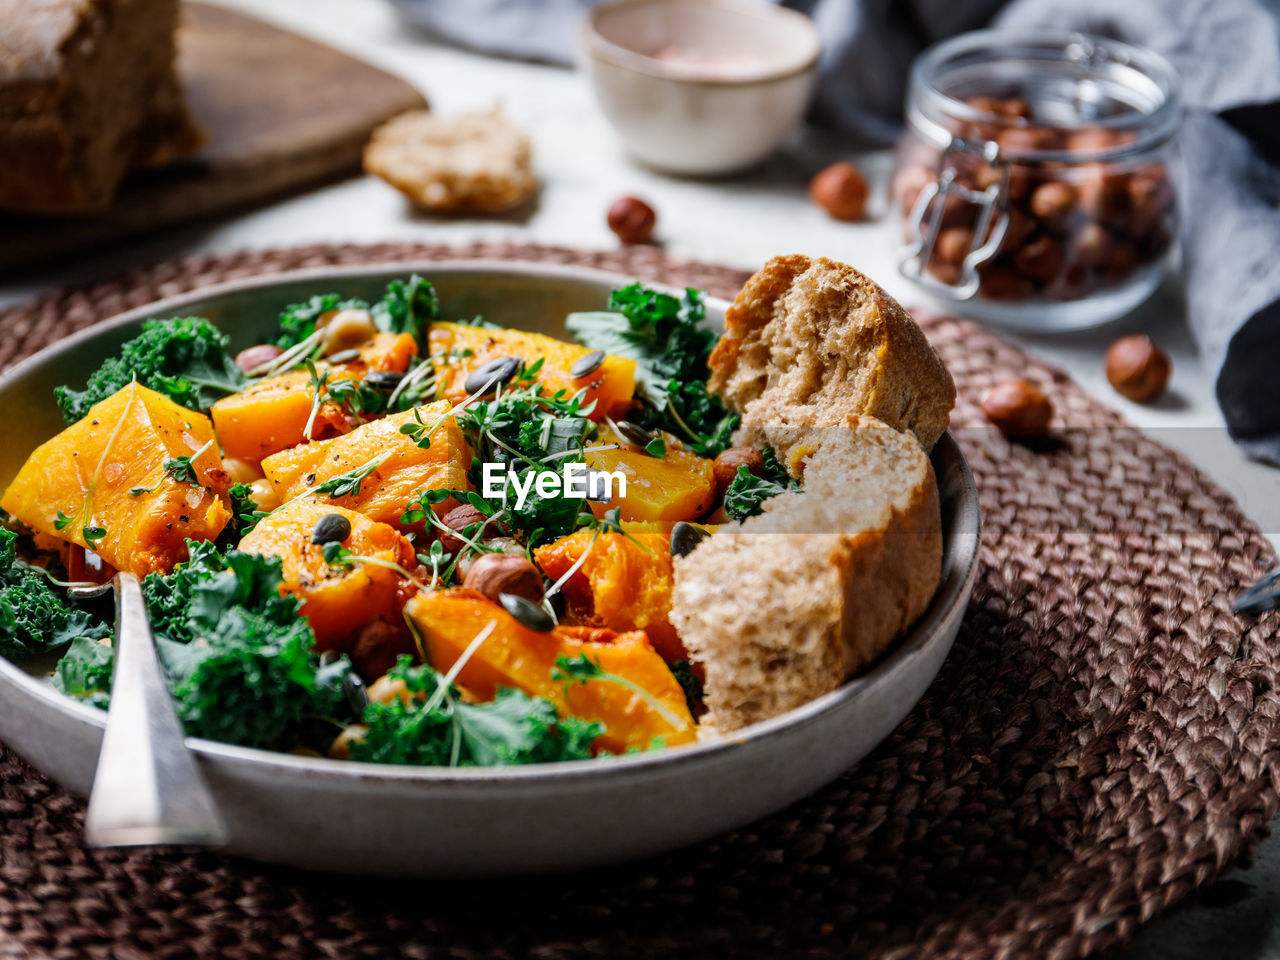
x=1001 y=282
x=1091 y=245
x=1040 y=259
x=251 y=358
x=1019 y=408
x=497 y=573
x=1053 y=202
x=1120 y=265
x=1029 y=138
x=1015 y=107
x=841 y=190
x=632 y=220
x=459 y=518
x=1103 y=195
x=1097 y=139
x=953 y=244
x=728 y=461
x=1137 y=368
x=992 y=105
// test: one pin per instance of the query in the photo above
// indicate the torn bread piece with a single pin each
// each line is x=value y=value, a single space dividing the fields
x=786 y=606
x=809 y=341
x=476 y=163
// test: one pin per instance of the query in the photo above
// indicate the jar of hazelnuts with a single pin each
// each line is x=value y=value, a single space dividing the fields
x=1032 y=181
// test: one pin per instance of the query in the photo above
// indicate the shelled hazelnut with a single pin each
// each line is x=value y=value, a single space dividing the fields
x=1073 y=228
x=632 y=220
x=1137 y=368
x=841 y=190
x=1019 y=408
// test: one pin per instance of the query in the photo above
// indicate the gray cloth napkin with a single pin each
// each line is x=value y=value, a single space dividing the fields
x=1227 y=52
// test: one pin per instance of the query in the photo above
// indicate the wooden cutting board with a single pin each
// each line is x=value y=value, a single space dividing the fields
x=282 y=112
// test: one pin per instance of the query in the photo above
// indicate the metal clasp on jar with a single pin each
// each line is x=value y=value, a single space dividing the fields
x=924 y=222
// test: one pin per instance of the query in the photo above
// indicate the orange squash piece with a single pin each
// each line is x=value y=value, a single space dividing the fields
x=612 y=384
x=405 y=470
x=681 y=486
x=448 y=621
x=272 y=414
x=88 y=469
x=622 y=584
x=339 y=600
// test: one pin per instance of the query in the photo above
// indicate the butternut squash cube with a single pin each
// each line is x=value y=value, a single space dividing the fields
x=272 y=414
x=622 y=584
x=340 y=599
x=88 y=469
x=612 y=384
x=514 y=656
x=679 y=486
x=403 y=472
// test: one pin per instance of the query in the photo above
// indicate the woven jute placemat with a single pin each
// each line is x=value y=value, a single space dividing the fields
x=1100 y=743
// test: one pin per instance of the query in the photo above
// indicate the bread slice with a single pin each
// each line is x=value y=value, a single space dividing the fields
x=787 y=605
x=808 y=342
x=88 y=92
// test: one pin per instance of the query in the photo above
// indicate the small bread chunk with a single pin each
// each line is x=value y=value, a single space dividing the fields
x=787 y=605
x=477 y=163
x=808 y=342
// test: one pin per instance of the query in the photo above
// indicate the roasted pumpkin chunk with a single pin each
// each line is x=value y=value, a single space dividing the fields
x=611 y=384
x=398 y=468
x=624 y=583
x=344 y=597
x=106 y=476
x=272 y=415
x=679 y=486
x=512 y=655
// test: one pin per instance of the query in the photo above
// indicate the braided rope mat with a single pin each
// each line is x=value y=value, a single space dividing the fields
x=1100 y=744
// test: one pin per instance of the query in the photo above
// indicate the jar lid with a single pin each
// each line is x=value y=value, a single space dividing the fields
x=1068 y=80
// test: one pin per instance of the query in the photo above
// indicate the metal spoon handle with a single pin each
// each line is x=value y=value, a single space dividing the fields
x=147 y=789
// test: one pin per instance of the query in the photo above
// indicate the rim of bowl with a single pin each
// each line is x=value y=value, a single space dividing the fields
x=949 y=601
x=608 y=51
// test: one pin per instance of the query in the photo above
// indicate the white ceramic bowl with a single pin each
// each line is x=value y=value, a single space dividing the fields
x=399 y=821
x=700 y=87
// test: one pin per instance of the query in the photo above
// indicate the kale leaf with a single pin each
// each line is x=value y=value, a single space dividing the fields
x=666 y=337
x=436 y=728
x=747 y=492
x=34 y=618
x=184 y=358
x=690 y=683
x=240 y=658
x=408 y=308
x=84 y=672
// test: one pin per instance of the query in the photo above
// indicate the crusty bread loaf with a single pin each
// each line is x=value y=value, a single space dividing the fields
x=787 y=605
x=808 y=342
x=88 y=92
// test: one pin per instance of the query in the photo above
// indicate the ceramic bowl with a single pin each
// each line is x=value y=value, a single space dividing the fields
x=359 y=818
x=700 y=87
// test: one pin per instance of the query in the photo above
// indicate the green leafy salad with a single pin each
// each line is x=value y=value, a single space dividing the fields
x=327 y=566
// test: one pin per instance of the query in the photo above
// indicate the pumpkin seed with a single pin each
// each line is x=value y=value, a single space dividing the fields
x=384 y=379
x=331 y=528
x=345 y=356
x=634 y=433
x=357 y=696
x=587 y=364
x=684 y=537
x=493 y=374
x=527 y=613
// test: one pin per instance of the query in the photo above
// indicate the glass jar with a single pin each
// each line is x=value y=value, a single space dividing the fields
x=1032 y=181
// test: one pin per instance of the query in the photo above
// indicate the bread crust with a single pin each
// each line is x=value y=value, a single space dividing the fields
x=809 y=341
